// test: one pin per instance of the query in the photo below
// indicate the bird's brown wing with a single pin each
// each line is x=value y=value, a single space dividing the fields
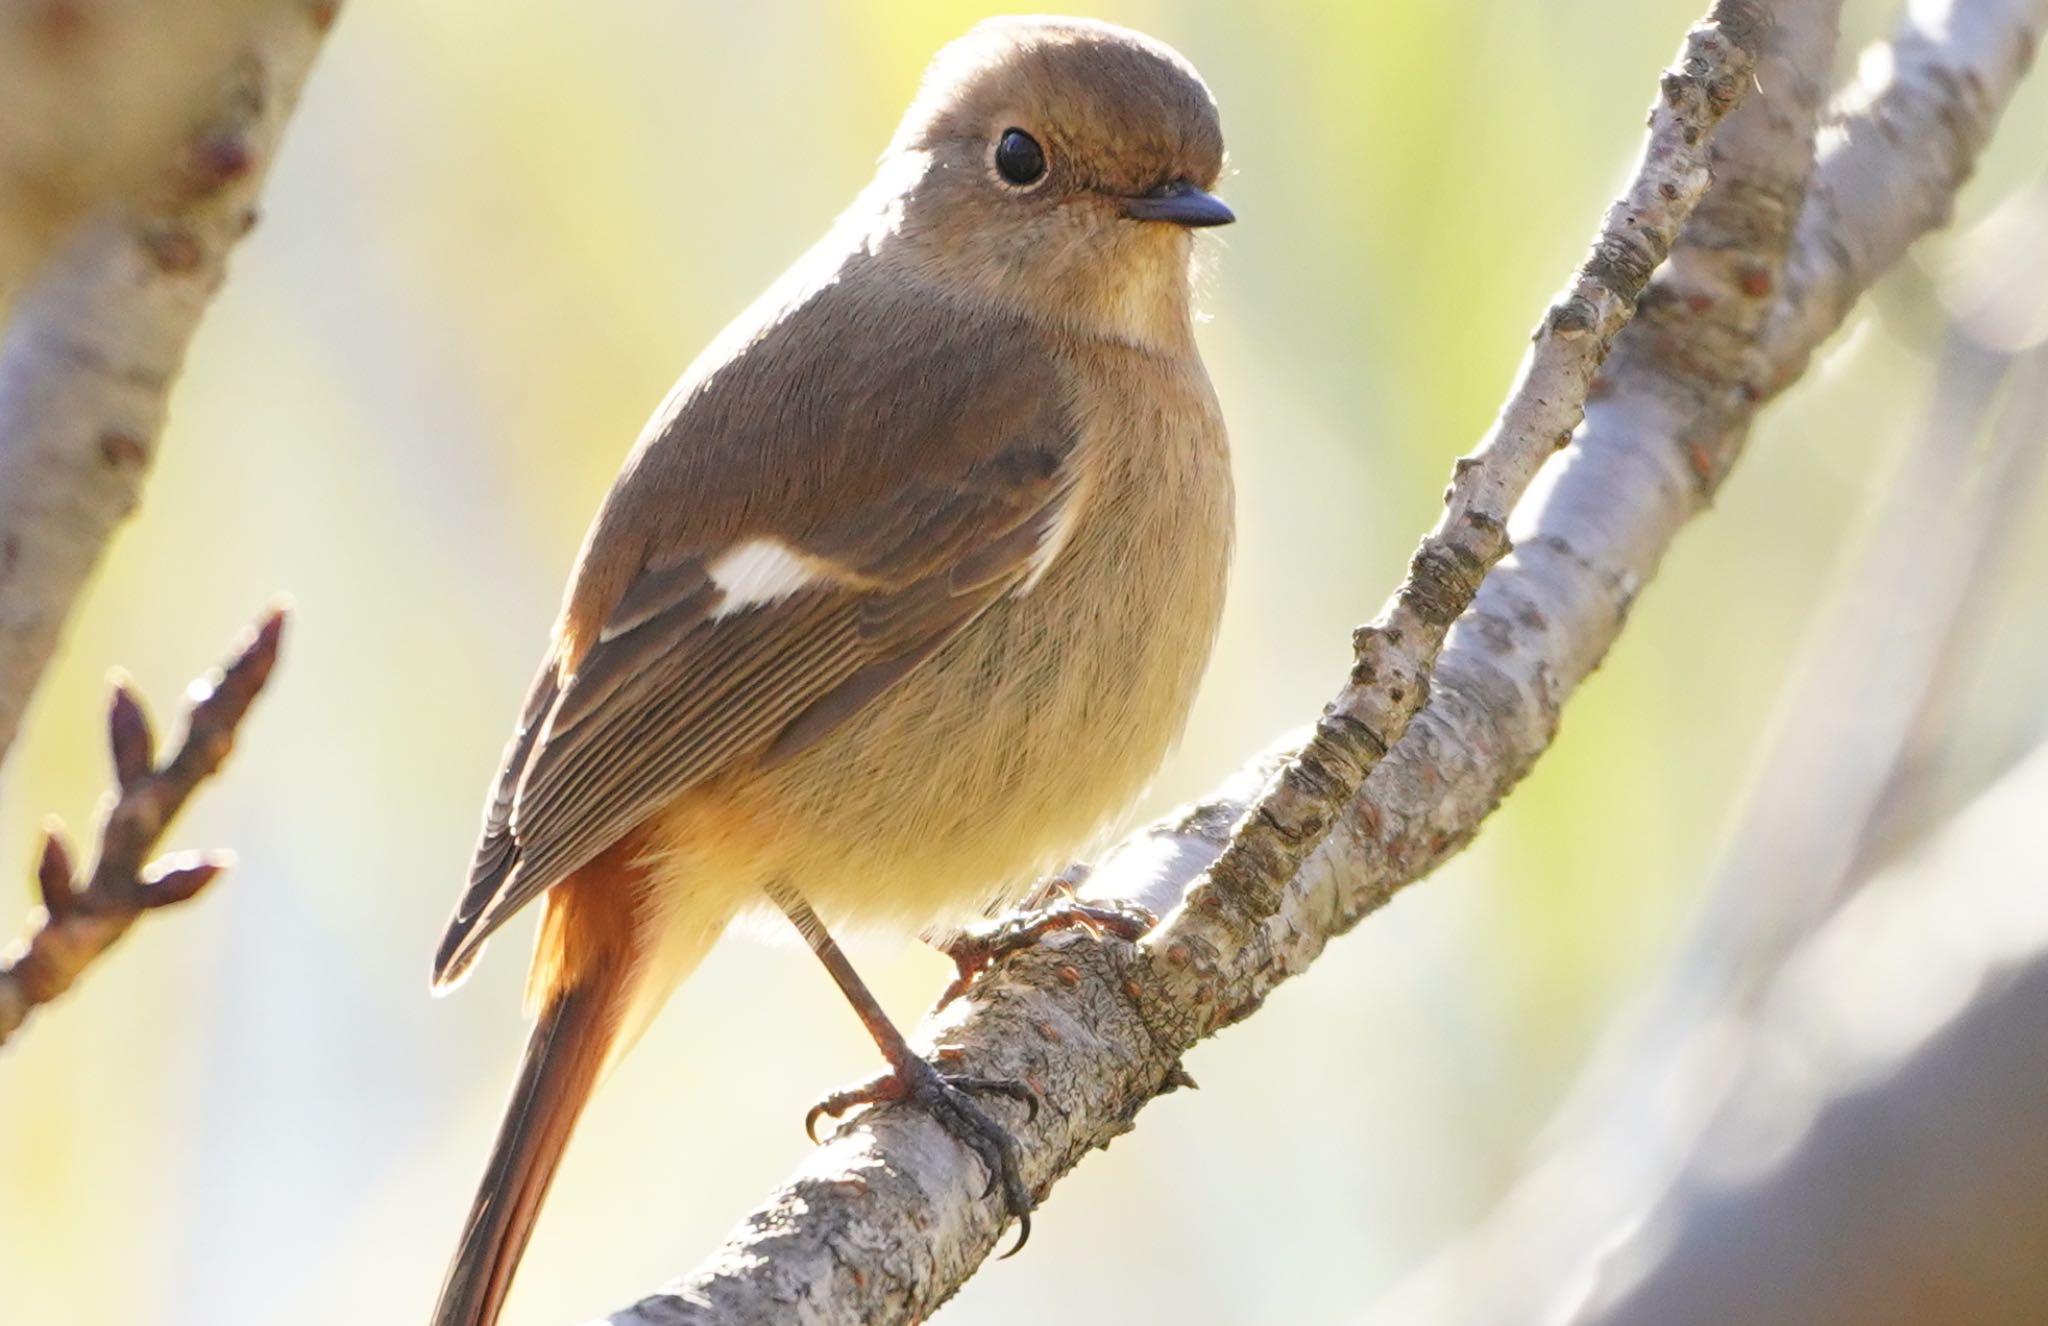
x=682 y=676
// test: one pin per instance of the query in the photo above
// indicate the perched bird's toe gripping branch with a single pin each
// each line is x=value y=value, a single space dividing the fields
x=977 y=948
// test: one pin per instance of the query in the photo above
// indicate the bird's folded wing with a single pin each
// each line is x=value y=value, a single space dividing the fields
x=753 y=652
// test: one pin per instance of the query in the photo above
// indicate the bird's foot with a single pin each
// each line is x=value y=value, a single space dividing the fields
x=975 y=949
x=948 y=1098
x=1055 y=887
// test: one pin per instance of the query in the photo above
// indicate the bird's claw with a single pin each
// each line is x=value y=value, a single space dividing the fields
x=947 y=1097
x=974 y=950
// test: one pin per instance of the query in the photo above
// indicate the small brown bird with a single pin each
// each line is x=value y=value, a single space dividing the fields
x=901 y=598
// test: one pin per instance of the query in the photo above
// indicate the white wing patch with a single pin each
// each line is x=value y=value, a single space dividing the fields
x=1050 y=544
x=756 y=572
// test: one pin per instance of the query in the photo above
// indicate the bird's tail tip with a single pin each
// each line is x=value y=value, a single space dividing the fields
x=563 y=1060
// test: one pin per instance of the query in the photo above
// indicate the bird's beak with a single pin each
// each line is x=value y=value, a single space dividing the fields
x=1181 y=203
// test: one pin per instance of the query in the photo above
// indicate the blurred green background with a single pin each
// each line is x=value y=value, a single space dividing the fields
x=494 y=237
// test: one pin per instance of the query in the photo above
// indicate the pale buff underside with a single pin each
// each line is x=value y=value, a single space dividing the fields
x=1018 y=743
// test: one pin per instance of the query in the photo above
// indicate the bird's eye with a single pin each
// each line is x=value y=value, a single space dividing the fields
x=1019 y=158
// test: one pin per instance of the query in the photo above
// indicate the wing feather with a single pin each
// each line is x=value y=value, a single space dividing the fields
x=671 y=691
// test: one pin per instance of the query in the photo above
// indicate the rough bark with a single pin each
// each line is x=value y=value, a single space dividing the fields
x=96 y=337
x=1395 y=652
x=889 y=1218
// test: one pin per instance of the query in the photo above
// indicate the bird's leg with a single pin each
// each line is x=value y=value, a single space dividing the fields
x=945 y=1096
x=1052 y=906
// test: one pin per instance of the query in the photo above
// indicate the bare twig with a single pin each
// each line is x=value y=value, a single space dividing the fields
x=888 y=1219
x=84 y=914
x=1695 y=348
x=96 y=340
x=1390 y=675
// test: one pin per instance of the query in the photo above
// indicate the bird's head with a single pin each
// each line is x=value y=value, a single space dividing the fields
x=1058 y=166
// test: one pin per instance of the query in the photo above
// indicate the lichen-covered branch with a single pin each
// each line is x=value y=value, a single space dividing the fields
x=96 y=338
x=887 y=1220
x=84 y=913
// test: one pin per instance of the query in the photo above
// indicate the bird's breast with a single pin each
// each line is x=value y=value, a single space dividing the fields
x=1042 y=721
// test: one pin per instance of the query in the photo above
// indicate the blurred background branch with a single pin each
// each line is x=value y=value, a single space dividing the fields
x=884 y=1221
x=133 y=140
x=1880 y=1160
x=95 y=95
x=84 y=914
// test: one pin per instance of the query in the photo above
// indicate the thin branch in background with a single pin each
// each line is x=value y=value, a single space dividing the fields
x=1996 y=299
x=83 y=914
x=886 y=1220
x=1874 y=653
x=1877 y=653
x=1897 y=1052
x=95 y=341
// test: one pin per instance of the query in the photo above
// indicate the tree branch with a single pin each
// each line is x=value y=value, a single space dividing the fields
x=96 y=340
x=888 y=1219
x=1671 y=1061
x=83 y=915
x=1395 y=653
x=94 y=97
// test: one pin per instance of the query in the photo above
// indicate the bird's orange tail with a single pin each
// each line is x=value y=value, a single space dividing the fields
x=583 y=966
x=562 y=1062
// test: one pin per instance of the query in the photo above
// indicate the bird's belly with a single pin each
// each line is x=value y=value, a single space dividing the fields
x=1002 y=758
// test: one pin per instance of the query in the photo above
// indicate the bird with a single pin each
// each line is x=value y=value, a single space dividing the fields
x=900 y=599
